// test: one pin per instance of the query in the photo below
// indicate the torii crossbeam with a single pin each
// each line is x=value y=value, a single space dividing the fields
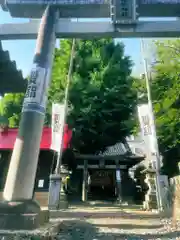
x=72 y=29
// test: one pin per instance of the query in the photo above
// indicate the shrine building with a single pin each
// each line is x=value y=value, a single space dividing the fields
x=97 y=177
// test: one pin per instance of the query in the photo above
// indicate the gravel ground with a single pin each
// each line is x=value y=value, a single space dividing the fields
x=116 y=225
x=74 y=230
x=106 y=224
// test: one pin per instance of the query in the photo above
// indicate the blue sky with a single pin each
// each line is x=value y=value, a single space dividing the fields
x=22 y=50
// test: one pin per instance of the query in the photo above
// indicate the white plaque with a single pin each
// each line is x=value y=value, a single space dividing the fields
x=118 y=175
x=41 y=183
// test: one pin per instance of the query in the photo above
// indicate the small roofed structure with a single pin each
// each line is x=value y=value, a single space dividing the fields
x=100 y=176
x=118 y=154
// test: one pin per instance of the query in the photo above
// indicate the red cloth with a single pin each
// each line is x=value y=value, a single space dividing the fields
x=8 y=137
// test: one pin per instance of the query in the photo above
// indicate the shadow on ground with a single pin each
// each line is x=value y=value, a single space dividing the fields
x=129 y=226
x=109 y=204
x=84 y=230
x=105 y=214
x=77 y=230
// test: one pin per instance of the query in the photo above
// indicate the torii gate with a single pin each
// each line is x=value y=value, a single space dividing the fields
x=123 y=22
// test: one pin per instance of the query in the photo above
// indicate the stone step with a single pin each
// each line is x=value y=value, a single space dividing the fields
x=23 y=221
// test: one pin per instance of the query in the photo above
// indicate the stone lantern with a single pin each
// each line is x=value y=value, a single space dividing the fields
x=63 y=203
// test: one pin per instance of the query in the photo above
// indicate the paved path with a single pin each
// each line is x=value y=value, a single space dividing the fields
x=113 y=224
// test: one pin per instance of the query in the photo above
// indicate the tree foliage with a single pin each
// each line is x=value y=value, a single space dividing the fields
x=166 y=96
x=12 y=80
x=102 y=98
x=10 y=109
x=102 y=95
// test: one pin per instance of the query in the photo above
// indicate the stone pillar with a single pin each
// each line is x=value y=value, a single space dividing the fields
x=85 y=182
x=175 y=200
x=54 y=186
x=63 y=203
x=118 y=182
x=22 y=169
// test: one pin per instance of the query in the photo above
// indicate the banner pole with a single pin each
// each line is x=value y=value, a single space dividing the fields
x=154 y=140
x=57 y=198
x=58 y=164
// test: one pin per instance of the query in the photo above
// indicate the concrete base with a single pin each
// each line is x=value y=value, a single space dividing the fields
x=63 y=204
x=57 y=196
x=54 y=191
x=45 y=232
x=19 y=206
x=21 y=215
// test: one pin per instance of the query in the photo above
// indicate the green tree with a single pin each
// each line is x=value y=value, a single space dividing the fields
x=12 y=80
x=166 y=97
x=10 y=108
x=102 y=97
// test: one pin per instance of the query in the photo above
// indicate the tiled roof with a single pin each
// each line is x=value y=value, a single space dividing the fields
x=117 y=149
x=122 y=149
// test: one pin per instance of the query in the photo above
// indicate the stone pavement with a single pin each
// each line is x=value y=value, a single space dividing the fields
x=113 y=224
x=100 y=223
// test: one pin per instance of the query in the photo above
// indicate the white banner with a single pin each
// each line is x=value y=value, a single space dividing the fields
x=149 y=136
x=58 y=117
x=36 y=93
x=147 y=131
